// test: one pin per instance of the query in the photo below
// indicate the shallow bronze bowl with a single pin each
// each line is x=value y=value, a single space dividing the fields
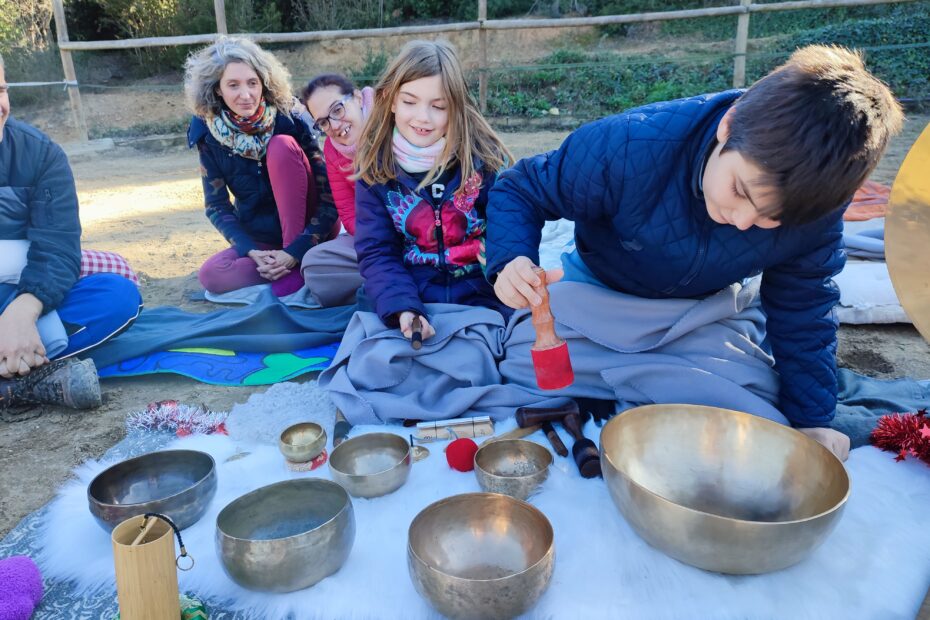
x=480 y=555
x=177 y=483
x=302 y=442
x=514 y=467
x=371 y=465
x=286 y=536
x=722 y=490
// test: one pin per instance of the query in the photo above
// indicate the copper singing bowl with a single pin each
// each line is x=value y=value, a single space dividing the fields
x=722 y=490
x=480 y=555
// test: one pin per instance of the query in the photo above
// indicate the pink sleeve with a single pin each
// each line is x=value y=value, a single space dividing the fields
x=339 y=168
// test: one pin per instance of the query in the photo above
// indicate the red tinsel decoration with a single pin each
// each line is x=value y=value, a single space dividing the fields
x=908 y=434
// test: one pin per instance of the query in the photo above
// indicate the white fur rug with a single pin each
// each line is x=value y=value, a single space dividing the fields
x=876 y=564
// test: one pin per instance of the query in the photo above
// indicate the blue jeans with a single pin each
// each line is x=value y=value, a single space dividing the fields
x=95 y=309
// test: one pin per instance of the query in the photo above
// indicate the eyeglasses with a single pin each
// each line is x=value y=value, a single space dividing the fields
x=336 y=113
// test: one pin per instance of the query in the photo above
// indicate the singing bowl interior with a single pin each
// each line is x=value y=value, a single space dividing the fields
x=371 y=465
x=286 y=536
x=179 y=483
x=720 y=489
x=513 y=467
x=302 y=442
x=481 y=555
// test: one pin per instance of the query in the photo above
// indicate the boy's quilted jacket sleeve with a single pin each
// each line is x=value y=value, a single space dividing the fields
x=799 y=298
x=578 y=181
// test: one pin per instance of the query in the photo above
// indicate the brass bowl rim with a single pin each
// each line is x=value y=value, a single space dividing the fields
x=550 y=548
x=300 y=424
x=484 y=471
x=347 y=505
x=374 y=473
x=210 y=472
x=648 y=410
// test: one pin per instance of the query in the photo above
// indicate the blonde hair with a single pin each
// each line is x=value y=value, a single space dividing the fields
x=469 y=136
x=203 y=70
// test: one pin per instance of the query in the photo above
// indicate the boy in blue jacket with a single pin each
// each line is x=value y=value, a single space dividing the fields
x=683 y=198
x=40 y=259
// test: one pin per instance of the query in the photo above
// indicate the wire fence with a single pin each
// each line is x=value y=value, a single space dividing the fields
x=564 y=89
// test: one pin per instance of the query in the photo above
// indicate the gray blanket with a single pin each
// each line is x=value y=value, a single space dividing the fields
x=634 y=350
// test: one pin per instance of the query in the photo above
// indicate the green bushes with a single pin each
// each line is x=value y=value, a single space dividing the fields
x=593 y=85
x=904 y=63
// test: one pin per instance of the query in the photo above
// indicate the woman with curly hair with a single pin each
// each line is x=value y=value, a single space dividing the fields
x=254 y=146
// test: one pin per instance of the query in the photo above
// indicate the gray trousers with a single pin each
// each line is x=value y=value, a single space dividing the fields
x=330 y=271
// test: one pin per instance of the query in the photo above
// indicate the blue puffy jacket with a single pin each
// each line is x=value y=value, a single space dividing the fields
x=38 y=202
x=253 y=217
x=403 y=260
x=631 y=183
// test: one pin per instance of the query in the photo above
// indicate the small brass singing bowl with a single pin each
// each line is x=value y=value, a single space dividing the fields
x=514 y=467
x=480 y=555
x=302 y=442
x=722 y=490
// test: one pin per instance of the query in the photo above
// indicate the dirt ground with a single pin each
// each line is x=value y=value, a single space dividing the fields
x=147 y=205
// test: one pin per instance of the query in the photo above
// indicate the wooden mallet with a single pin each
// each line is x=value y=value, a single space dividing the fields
x=550 y=353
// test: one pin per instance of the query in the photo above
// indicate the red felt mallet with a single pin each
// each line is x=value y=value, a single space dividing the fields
x=550 y=353
x=460 y=454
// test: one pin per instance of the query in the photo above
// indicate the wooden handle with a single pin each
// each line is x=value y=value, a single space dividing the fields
x=554 y=440
x=518 y=433
x=416 y=337
x=572 y=423
x=543 y=321
x=527 y=416
x=149 y=524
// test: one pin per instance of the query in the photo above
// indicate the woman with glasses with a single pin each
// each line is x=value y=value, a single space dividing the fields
x=254 y=146
x=339 y=110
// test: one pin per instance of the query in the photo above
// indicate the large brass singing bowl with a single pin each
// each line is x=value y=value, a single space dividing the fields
x=722 y=490
x=177 y=483
x=480 y=555
x=371 y=465
x=286 y=536
x=907 y=234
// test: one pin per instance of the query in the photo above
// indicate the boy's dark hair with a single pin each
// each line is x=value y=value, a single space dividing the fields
x=346 y=87
x=817 y=125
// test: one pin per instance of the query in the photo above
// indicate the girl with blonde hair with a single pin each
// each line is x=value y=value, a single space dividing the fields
x=255 y=146
x=425 y=165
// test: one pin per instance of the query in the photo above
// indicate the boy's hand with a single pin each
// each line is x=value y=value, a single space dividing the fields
x=21 y=348
x=515 y=283
x=834 y=441
x=406 y=325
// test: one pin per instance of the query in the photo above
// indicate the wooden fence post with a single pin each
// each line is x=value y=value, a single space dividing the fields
x=483 y=56
x=219 y=7
x=67 y=65
x=742 y=43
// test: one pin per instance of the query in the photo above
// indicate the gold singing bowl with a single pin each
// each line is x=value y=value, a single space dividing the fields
x=480 y=555
x=907 y=234
x=722 y=490
x=302 y=442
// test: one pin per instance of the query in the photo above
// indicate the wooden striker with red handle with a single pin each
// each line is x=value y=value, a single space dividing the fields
x=550 y=353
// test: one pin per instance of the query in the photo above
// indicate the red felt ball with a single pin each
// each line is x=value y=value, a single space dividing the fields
x=461 y=454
